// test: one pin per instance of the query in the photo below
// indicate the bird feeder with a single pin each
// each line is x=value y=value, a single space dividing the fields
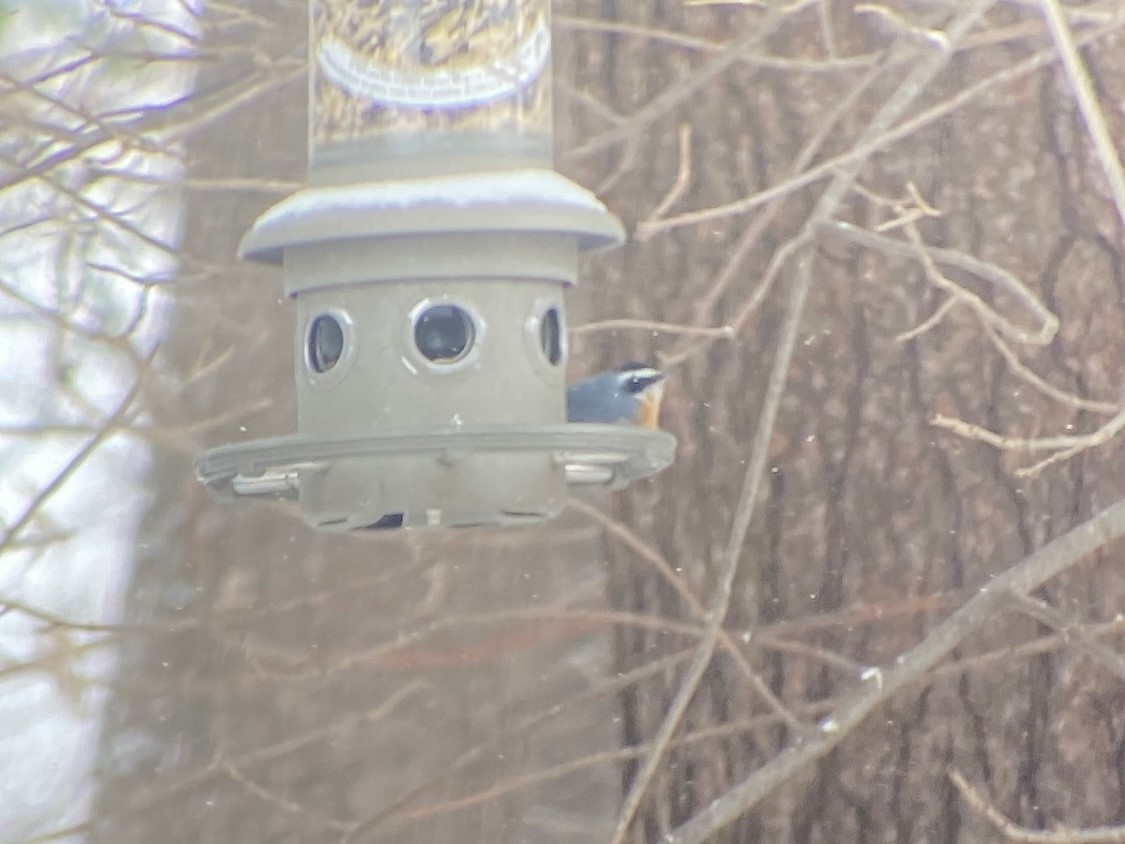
x=428 y=261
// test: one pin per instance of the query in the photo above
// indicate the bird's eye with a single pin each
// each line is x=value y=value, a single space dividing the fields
x=634 y=384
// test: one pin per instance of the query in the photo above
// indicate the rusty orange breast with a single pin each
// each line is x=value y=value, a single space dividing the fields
x=648 y=412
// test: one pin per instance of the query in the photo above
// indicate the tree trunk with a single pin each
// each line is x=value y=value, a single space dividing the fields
x=873 y=523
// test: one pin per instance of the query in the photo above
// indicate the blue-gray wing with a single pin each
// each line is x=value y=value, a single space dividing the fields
x=594 y=400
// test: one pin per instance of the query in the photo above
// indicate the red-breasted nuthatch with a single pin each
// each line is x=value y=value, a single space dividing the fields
x=630 y=395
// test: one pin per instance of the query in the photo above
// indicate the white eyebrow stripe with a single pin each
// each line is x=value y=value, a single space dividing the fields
x=647 y=372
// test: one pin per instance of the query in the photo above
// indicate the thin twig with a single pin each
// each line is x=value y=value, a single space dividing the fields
x=655 y=326
x=608 y=27
x=278 y=801
x=900 y=25
x=1072 y=633
x=757 y=227
x=1087 y=102
x=683 y=177
x=1048 y=562
x=1062 y=456
x=984 y=270
x=1065 y=446
x=52 y=621
x=1032 y=379
x=732 y=53
x=863 y=150
x=777 y=263
x=986 y=313
x=108 y=428
x=1014 y=832
x=929 y=322
x=826 y=168
x=375 y=825
x=911 y=88
x=657 y=560
x=269 y=753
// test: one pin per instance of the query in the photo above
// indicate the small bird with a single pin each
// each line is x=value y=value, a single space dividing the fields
x=629 y=395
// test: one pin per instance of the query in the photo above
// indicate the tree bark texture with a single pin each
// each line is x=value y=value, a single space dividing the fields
x=873 y=523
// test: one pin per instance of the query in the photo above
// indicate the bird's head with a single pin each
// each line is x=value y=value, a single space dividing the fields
x=646 y=384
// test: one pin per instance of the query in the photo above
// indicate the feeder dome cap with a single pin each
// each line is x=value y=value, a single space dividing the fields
x=530 y=200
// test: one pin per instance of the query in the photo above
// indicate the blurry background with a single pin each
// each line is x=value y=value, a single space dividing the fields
x=174 y=670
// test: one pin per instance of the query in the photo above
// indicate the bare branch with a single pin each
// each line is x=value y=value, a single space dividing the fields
x=108 y=427
x=866 y=148
x=1065 y=446
x=930 y=257
x=683 y=177
x=1025 y=374
x=929 y=322
x=911 y=88
x=732 y=53
x=1014 y=832
x=1087 y=102
x=1071 y=633
x=1048 y=562
x=657 y=561
x=655 y=326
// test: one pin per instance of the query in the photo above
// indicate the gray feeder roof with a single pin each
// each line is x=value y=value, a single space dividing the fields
x=539 y=201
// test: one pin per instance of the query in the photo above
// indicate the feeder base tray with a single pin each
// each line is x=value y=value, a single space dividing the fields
x=590 y=456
